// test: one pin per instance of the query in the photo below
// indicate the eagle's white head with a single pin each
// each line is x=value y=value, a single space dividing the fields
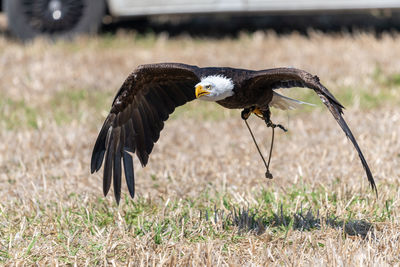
x=214 y=88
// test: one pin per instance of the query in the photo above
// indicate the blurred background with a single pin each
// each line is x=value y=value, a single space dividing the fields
x=213 y=18
x=62 y=62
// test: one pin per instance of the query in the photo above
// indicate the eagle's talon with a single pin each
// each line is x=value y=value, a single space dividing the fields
x=273 y=125
x=282 y=127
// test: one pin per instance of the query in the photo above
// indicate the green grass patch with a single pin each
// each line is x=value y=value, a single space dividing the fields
x=78 y=228
x=14 y=114
x=63 y=108
x=387 y=80
x=69 y=105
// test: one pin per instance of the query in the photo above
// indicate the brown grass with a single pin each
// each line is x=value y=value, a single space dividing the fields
x=54 y=97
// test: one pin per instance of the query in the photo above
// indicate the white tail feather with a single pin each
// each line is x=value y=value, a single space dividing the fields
x=284 y=102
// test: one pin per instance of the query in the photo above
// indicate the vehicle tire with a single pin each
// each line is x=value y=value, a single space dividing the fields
x=53 y=18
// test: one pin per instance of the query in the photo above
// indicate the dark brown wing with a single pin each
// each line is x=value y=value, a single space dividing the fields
x=290 y=77
x=137 y=116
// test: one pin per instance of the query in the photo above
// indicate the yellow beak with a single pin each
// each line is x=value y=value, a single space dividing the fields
x=200 y=91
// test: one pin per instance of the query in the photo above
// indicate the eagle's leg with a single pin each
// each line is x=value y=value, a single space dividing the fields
x=246 y=113
x=266 y=115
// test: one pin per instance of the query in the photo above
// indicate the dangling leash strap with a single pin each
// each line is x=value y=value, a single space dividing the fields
x=267 y=174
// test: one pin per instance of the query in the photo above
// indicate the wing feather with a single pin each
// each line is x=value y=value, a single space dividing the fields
x=291 y=77
x=154 y=120
x=337 y=114
x=137 y=116
x=127 y=130
x=140 y=137
x=108 y=162
x=117 y=163
x=177 y=96
x=168 y=103
x=129 y=144
x=146 y=128
x=129 y=173
x=156 y=101
x=100 y=145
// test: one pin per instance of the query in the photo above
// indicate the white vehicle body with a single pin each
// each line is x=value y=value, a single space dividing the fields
x=66 y=18
x=125 y=8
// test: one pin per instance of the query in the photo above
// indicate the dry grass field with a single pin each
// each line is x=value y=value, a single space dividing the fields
x=202 y=199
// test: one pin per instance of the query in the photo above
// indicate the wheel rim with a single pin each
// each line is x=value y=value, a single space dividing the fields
x=51 y=16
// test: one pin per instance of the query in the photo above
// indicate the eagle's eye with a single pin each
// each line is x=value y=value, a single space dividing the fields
x=208 y=87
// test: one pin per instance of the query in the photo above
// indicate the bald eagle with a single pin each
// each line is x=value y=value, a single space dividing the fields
x=152 y=92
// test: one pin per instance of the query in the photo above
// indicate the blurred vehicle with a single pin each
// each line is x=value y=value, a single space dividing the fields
x=64 y=18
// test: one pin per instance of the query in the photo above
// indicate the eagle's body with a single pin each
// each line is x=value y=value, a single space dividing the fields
x=152 y=92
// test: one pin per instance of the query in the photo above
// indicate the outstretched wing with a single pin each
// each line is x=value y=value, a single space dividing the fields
x=291 y=77
x=137 y=116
